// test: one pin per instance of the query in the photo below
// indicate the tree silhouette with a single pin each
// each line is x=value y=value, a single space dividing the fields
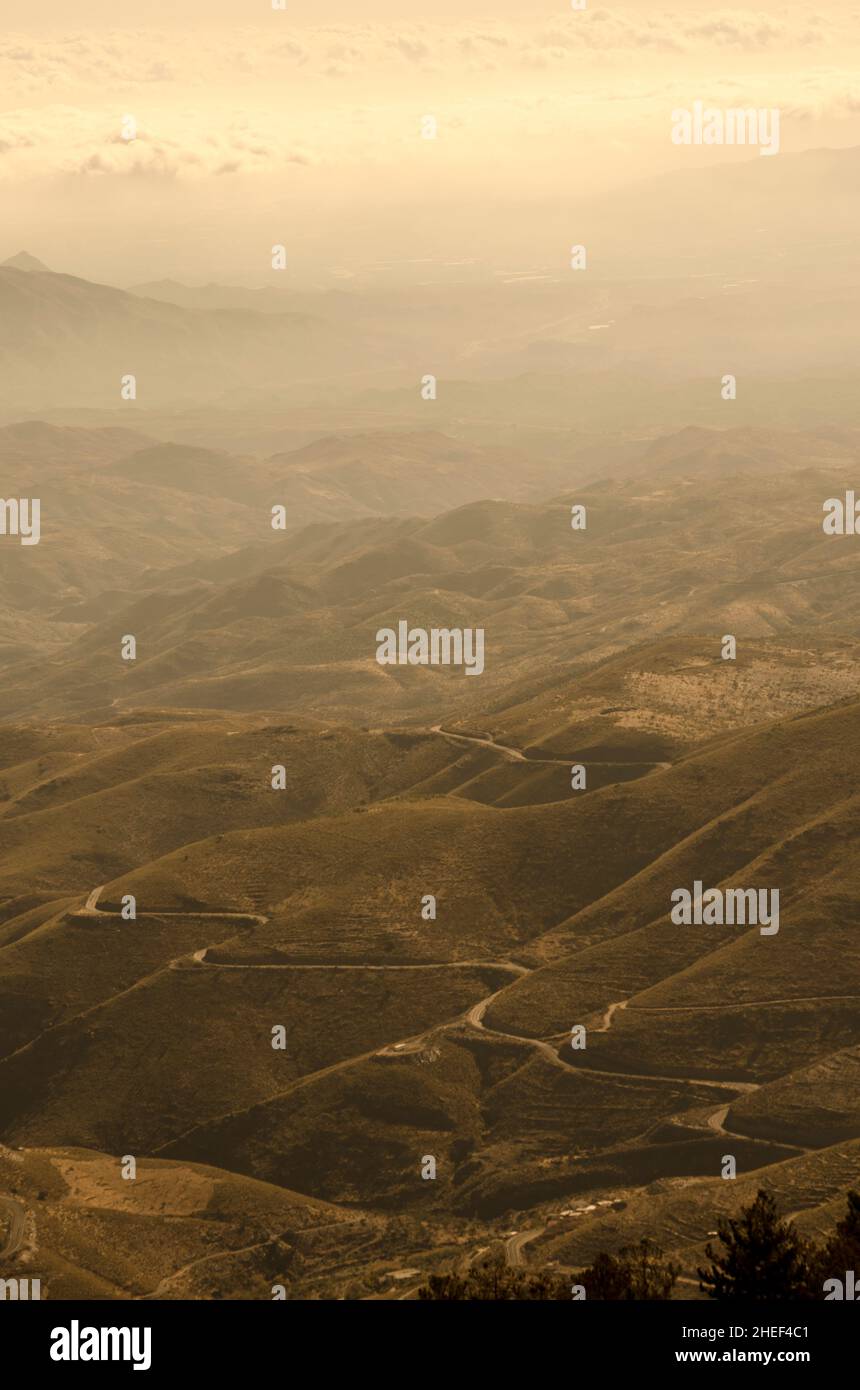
x=841 y=1253
x=493 y=1280
x=762 y=1260
x=636 y=1272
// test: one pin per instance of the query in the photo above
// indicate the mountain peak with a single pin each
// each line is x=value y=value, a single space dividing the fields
x=24 y=261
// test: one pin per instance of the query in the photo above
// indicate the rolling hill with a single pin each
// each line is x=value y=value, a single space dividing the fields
x=428 y=905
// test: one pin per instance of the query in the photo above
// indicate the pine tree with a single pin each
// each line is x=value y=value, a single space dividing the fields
x=845 y=1243
x=762 y=1260
x=841 y=1254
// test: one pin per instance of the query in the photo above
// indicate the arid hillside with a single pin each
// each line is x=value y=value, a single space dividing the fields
x=407 y=1035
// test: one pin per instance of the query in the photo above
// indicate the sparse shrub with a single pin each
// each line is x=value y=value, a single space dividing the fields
x=493 y=1280
x=638 y=1272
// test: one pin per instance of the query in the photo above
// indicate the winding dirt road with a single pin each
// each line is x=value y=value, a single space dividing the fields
x=515 y=1245
x=610 y=1014
x=92 y=909
x=200 y=958
x=472 y=1017
x=516 y=755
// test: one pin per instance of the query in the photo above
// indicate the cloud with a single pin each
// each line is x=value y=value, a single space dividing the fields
x=222 y=103
x=68 y=141
x=201 y=57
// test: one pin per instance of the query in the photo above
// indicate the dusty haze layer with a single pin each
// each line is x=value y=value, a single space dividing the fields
x=305 y=130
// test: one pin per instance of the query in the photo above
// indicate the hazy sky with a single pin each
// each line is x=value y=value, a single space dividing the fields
x=302 y=126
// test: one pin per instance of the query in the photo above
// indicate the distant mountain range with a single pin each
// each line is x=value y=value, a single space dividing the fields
x=231 y=614
x=67 y=340
x=24 y=261
x=702 y=273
